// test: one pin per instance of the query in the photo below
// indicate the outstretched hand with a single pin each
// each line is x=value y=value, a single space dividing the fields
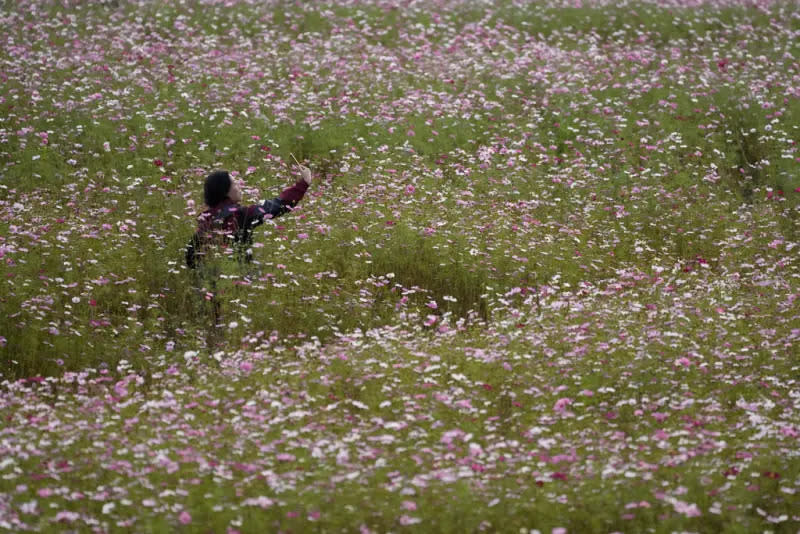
x=305 y=172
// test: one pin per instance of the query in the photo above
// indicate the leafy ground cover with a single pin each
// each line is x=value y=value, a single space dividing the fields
x=546 y=279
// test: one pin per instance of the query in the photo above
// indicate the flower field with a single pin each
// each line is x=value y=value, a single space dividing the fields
x=546 y=278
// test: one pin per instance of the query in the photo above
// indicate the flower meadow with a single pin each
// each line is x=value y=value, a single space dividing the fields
x=546 y=278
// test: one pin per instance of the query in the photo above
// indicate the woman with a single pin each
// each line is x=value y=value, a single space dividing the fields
x=225 y=227
x=228 y=225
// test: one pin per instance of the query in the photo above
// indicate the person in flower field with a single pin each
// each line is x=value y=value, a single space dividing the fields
x=228 y=225
x=225 y=230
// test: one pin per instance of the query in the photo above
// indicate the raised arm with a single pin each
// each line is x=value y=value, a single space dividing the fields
x=254 y=215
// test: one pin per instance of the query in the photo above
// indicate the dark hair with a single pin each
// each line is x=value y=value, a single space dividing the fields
x=218 y=183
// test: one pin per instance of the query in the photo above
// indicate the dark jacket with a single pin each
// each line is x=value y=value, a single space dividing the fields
x=229 y=224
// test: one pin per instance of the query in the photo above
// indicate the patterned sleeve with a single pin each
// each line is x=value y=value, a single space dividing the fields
x=254 y=215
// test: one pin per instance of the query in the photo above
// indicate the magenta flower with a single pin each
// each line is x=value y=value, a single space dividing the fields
x=185 y=518
x=560 y=405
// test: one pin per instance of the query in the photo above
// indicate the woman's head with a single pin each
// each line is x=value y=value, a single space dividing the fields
x=218 y=187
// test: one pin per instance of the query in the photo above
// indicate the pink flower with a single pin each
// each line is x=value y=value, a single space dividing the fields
x=561 y=404
x=67 y=516
x=185 y=518
x=121 y=388
x=246 y=367
x=410 y=505
x=260 y=501
x=410 y=190
x=406 y=520
x=790 y=432
x=689 y=510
